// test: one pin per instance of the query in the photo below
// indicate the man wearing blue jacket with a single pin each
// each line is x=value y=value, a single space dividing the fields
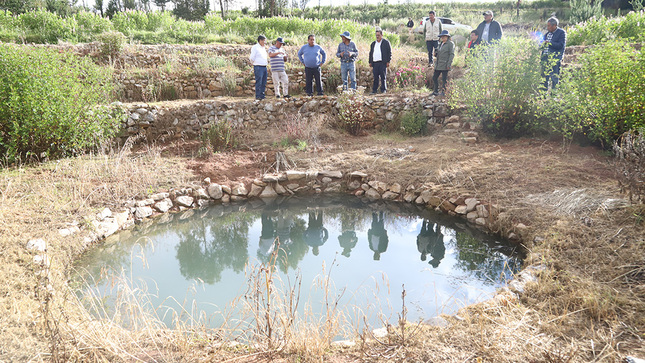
x=552 y=52
x=379 y=59
x=313 y=57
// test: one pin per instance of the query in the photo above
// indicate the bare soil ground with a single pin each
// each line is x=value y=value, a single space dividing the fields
x=588 y=304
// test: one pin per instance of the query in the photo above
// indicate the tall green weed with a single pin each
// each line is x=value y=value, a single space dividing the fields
x=500 y=85
x=48 y=104
x=598 y=30
x=604 y=96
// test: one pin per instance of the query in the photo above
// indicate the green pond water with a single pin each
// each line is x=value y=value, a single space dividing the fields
x=342 y=254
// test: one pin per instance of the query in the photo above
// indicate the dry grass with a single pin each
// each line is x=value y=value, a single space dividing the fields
x=588 y=304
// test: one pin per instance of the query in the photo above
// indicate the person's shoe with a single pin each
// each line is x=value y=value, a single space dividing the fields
x=372 y=93
x=287 y=96
x=321 y=94
x=435 y=93
x=310 y=94
x=442 y=94
x=277 y=96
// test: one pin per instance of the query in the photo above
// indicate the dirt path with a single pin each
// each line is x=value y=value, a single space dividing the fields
x=588 y=303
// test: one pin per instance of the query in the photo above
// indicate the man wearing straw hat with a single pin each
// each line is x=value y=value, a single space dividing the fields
x=347 y=52
x=445 y=55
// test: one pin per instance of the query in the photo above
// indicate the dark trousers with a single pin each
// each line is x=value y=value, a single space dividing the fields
x=260 y=81
x=435 y=80
x=310 y=75
x=380 y=74
x=551 y=73
x=431 y=45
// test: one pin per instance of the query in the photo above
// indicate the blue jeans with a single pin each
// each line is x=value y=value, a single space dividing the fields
x=310 y=75
x=260 y=81
x=347 y=69
x=380 y=73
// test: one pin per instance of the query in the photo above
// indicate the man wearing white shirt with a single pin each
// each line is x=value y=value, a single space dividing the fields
x=260 y=59
x=379 y=59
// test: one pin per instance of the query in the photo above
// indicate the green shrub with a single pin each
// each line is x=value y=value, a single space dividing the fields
x=412 y=76
x=219 y=136
x=499 y=87
x=45 y=26
x=88 y=25
x=111 y=43
x=582 y=10
x=48 y=104
x=413 y=122
x=604 y=96
x=598 y=30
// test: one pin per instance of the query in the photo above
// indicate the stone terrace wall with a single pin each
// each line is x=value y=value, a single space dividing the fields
x=186 y=119
x=147 y=73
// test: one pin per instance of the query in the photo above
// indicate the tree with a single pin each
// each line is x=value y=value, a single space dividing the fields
x=161 y=4
x=191 y=9
x=98 y=5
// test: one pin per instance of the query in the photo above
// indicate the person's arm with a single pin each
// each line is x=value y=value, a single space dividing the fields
x=452 y=54
x=324 y=56
x=338 y=52
x=389 y=52
x=300 y=55
x=354 y=51
x=273 y=54
x=253 y=54
x=501 y=32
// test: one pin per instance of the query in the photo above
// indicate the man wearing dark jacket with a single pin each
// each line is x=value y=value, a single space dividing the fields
x=552 y=52
x=379 y=59
x=489 y=30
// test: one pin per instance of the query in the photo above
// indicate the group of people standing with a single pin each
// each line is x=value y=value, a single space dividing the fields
x=438 y=44
x=313 y=57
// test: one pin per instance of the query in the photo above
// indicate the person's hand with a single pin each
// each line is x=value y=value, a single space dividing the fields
x=387 y=65
x=284 y=58
x=371 y=65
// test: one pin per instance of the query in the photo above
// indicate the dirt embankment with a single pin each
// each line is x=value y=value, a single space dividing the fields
x=587 y=305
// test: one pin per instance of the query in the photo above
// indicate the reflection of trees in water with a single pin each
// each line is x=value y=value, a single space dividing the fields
x=209 y=246
x=484 y=260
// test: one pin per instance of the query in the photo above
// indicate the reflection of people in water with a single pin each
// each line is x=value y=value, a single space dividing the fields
x=347 y=238
x=283 y=229
x=377 y=235
x=316 y=235
x=267 y=238
x=430 y=240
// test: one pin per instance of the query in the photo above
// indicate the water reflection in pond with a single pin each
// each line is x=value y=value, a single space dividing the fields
x=368 y=251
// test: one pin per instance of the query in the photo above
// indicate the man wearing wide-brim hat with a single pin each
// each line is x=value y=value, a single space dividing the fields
x=347 y=52
x=489 y=30
x=445 y=56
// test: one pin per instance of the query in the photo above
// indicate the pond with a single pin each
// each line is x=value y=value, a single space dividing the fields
x=367 y=263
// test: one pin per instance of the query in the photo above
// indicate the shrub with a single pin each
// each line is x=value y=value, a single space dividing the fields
x=351 y=112
x=413 y=122
x=88 y=25
x=630 y=163
x=47 y=104
x=111 y=43
x=604 y=96
x=412 y=76
x=44 y=26
x=582 y=10
x=219 y=136
x=598 y=30
x=499 y=87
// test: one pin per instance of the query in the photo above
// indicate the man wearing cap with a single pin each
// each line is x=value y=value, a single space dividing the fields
x=379 y=59
x=431 y=31
x=347 y=52
x=277 y=57
x=313 y=57
x=445 y=55
x=260 y=59
x=489 y=30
